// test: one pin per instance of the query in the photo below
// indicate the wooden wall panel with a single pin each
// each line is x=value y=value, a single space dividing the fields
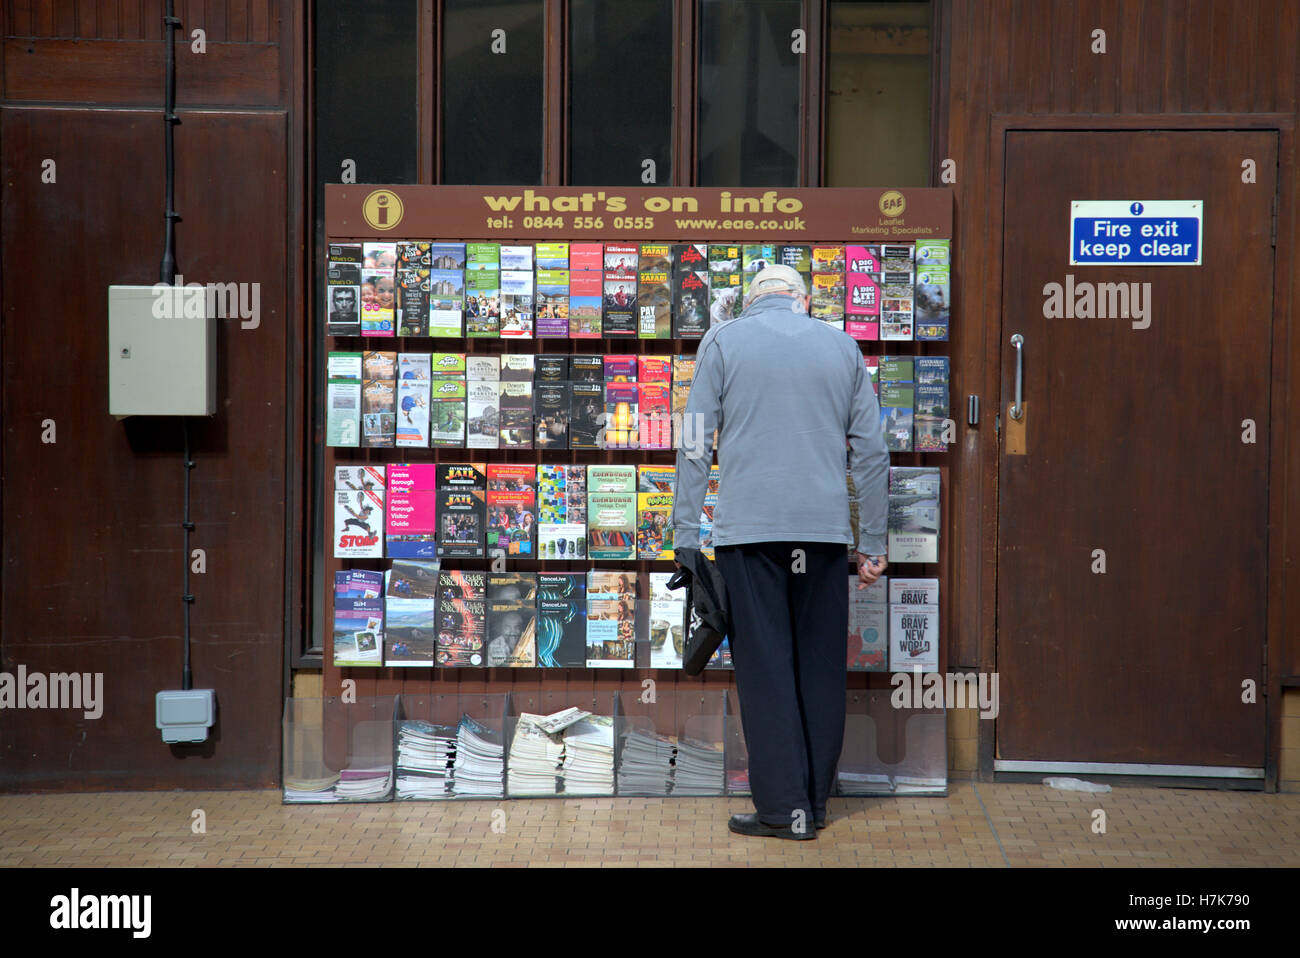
x=1174 y=81
x=224 y=21
x=110 y=51
x=974 y=73
x=1200 y=63
x=1285 y=23
x=92 y=547
x=1170 y=60
x=1131 y=54
x=90 y=71
x=93 y=543
x=63 y=18
x=1152 y=46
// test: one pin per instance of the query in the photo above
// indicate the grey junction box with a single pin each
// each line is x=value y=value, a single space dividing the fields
x=185 y=715
x=162 y=351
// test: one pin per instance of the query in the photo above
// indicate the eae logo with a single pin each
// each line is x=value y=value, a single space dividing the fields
x=75 y=911
x=892 y=203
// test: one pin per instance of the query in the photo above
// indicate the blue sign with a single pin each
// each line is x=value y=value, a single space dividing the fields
x=1123 y=233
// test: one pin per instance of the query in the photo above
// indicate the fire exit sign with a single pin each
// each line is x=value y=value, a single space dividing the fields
x=1135 y=233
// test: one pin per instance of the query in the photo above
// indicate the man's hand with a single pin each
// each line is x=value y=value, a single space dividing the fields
x=870 y=568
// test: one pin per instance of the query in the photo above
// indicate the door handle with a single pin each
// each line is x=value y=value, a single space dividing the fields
x=1017 y=410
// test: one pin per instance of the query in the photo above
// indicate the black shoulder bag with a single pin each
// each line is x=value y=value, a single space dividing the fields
x=707 y=618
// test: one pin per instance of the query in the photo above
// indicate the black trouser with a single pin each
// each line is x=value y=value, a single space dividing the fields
x=789 y=633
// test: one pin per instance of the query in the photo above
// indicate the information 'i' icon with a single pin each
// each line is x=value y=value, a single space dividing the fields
x=382 y=210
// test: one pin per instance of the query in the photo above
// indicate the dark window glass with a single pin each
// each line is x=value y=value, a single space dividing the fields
x=492 y=102
x=366 y=86
x=749 y=93
x=878 y=79
x=620 y=90
x=366 y=82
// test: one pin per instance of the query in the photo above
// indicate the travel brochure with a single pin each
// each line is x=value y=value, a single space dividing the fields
x=608 y=401
x=419 y=613
x=898 y=291
x=423 y=518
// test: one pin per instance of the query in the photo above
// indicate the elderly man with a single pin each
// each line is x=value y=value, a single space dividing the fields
x=785 y=391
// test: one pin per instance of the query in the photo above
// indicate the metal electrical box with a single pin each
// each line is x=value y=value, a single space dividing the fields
x=162 y=351
x=185 y=716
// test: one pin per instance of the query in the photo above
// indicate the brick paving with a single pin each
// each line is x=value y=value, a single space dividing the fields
x=978 y=824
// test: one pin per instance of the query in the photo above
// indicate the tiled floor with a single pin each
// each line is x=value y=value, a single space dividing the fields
x=977 y=824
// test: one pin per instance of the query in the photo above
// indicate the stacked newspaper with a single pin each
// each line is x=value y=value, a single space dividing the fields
x=700 y=768
x=364 y=784
x=646 y=766
x=589 y=756
x=920 y=784
x=303 y=789
x=480 y=760
x=535 y=758
x=737 y=781
x=559 y=721
x=426 y=754
x=863 y=783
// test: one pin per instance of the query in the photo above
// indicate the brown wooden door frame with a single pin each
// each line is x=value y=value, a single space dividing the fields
x=1284 y=502
x=298 y=503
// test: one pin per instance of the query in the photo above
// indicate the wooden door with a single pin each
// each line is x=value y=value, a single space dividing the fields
x=1132 y=452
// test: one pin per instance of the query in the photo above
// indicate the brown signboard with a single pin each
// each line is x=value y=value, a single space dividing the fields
x=837 y=214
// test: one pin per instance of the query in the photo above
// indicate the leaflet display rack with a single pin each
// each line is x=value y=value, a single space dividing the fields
x=610 y=215
x=328 y=740
x=689 y=743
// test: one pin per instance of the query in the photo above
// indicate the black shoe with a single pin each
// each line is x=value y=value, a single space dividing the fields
x=748 y=824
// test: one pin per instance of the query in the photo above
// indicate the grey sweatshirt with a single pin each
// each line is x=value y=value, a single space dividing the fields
x=784 y=391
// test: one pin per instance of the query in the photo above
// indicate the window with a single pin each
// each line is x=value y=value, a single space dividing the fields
x=749 y=96
x=365 y=121
x=878 y=84
x=492 y=91
x=620 y=91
